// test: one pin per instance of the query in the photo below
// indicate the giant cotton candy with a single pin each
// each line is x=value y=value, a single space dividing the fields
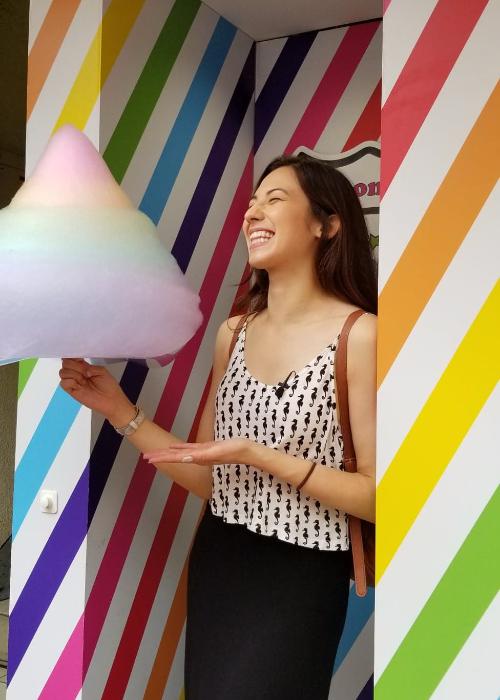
x=82 y=272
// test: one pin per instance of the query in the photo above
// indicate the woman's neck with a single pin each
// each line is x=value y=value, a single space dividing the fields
x=295 y=299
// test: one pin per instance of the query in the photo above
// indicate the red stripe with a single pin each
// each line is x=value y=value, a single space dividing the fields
x=165 y=414
x=422 y=78
x=332 y=85
x=367 y=128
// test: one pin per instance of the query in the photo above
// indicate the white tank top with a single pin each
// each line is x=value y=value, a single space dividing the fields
x=303 y=423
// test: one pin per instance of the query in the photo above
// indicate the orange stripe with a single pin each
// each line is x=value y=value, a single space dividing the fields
x=46 y=47
x=169 y=641
x=440 y=233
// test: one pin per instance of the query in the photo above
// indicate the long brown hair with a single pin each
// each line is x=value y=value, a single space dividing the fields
x=344 y=263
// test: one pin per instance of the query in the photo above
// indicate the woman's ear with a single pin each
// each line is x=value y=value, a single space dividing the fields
x=333 y=225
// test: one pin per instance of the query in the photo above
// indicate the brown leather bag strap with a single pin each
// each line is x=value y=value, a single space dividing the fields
x=342 y=399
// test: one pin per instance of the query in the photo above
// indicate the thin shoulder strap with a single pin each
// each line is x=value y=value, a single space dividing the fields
x=236 y=333
x=342 y=398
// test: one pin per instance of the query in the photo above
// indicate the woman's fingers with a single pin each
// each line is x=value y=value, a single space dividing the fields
x=73 y=374
x=74 y=363
x=70 y=385
x=168 y=456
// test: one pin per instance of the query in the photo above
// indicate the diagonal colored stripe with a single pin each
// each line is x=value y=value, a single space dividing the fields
x=450 y=614
x=126 y=654
x=26 y=367
x=332 y=85
x=41 y=452
x=438 y=431
x=46 y=47
x=367 y=128
x=450 y=215
x=144 y=97
x=201 y=201
x=103 y=51
x=186 y=123
x=44 y=580
x=402 y=113
x=358 y=614
x=279 y=81
x=67 y=535
x=169 y=642
x=367 y=692
x=72 y=681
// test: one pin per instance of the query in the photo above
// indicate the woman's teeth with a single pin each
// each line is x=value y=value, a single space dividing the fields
x=259 y=238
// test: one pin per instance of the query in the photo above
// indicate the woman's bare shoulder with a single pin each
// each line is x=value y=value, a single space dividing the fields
x=363 y=335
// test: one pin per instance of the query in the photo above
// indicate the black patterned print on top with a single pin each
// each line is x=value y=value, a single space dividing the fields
x=303 y=423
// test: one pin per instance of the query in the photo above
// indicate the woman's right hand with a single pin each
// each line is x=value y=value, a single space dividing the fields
x=95 y=387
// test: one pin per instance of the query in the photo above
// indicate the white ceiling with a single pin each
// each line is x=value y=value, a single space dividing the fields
x=268 y=19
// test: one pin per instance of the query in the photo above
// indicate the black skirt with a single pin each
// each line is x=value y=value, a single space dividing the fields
x=264 y=617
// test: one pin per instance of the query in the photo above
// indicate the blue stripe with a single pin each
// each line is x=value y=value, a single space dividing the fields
x=41 y=452
x=187 y=121
x=359 y=611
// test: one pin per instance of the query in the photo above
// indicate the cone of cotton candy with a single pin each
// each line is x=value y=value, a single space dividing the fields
x=83 y=273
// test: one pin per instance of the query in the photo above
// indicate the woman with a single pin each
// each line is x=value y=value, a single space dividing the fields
x=269 y=568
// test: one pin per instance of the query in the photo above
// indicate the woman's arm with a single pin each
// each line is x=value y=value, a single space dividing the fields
x=94 y=386
x=352 y=493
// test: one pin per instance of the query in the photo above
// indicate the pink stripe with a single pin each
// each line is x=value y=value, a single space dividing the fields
x=65 y=681
x=422 y=78
x=114 y=558
x=332 y=86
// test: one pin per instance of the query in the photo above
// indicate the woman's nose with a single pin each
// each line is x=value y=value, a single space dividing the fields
x=253 y=213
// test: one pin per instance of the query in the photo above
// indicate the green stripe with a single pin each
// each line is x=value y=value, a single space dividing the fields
x=144 y=97
x=452 y=611
x=26 y=367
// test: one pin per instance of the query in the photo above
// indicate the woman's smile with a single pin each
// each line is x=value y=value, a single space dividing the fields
x=259 y=237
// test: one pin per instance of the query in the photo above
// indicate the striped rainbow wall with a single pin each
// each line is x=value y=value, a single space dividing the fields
x=438 y=503
x=165 y=89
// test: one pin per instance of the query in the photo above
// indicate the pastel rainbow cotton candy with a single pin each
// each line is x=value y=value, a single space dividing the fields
x=82 y=272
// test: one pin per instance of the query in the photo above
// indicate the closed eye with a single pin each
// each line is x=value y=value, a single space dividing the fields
x=275 y=199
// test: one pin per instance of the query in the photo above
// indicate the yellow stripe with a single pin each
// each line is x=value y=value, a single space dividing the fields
x=438 y=431
x=101 y=56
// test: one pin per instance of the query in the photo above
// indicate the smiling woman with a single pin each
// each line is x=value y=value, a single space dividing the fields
x=272 y=553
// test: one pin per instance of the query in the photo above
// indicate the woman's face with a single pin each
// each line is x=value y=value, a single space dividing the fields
x=279 y=226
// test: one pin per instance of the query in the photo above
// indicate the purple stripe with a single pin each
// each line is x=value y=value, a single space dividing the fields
x=367 y=692
x=48 y=573
x=200 y=204
x=279 y=81
x=68 y=533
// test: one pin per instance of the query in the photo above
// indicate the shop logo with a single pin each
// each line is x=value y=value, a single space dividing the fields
x=361 y=166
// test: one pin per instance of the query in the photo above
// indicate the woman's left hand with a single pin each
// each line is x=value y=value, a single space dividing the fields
x=234 y=451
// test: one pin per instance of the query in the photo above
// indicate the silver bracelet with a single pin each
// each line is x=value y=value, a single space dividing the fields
x=132 y=426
